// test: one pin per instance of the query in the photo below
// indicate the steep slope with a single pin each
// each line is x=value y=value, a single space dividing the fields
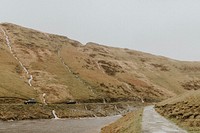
x=122 y=72
x=64 y=69
x=38 y=52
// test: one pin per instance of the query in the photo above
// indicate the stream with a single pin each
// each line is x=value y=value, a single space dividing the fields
x=15 y=56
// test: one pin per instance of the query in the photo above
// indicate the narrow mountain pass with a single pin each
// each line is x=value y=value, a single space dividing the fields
x=153 y=122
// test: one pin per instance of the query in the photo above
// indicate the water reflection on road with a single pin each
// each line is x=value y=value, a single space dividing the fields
x=85 y=125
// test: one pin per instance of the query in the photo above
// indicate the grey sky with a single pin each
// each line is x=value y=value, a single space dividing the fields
x=165 y=27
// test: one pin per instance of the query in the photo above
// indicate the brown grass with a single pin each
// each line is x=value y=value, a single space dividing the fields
x=184 y=110
x=20 y=111
x=97 y=71
x=11 y=83
x=130 y=123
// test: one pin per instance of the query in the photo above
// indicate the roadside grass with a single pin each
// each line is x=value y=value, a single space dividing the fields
x=185 y=125
x=184 y=110
x=21 y=111
x=39 y=111
x=130 y=123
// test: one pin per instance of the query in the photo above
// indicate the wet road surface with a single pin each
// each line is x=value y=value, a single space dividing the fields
x=153 y=122
x=85 y=125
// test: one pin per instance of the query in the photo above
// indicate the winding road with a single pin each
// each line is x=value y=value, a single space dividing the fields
x=153 y=122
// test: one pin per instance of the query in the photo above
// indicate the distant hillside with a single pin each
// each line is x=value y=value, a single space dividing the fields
x=54 y=68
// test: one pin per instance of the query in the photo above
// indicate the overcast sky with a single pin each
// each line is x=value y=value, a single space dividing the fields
x=164 y=27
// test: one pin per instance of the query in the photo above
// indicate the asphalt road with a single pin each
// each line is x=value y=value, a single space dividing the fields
x=85 y=125
x=153 y=122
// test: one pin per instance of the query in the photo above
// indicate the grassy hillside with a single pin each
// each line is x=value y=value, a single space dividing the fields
x=184 y=109
x=65 y=69
x=11 y=83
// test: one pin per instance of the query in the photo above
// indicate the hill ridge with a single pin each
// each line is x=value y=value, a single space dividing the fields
x=94 y=71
